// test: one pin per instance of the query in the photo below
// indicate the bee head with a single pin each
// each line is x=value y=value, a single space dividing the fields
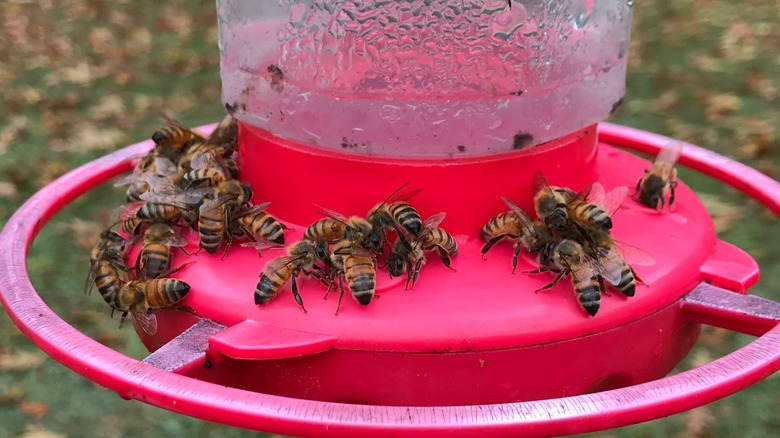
x=395 y=265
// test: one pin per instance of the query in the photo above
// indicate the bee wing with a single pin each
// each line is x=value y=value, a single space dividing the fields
x=609 y=202
x=253 y=209
x=200 y=160
x=130 y=179
x=261 y=245
x=525 y=219
x=407 y=195
x=434 y=221
x=124 y=211
x=332 y=214
x=278 y=263
x=635 y=256
x=668 y=155
x=147 y=321
x=210 y=204
x=165 y=167
x=175 y=240
x=609 y=265
x=93 y=264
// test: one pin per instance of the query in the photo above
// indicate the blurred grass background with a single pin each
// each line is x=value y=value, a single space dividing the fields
x=81 y=78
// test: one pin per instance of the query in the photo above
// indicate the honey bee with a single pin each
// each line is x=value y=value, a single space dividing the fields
x=256 y=222
x=505 y=225
x=393 y=212
x=133 y=216
x=139 y=297
x=173 y=139
x=222 y=142
x=551 y=202
x=597 y=211
x=357 y=265
x=408 y=251
x=335 y=226
x=213 y=220
x=534 y=235
x=300 y=258
x=660 y=179
x=208 y=169
x=569 y=258
x=154 y=259
x=150 y=166
x=106 y=259
x=217 y=212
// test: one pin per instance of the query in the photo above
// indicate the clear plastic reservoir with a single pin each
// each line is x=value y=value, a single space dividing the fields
x=423 y=78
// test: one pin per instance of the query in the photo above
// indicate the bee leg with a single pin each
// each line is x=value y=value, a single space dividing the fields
x=445 y=258
x=636 y=277
x=318 y=275
x=296 y=295
x=602 y=286
x=409 y=275
x=341 y=293
x=515 y=254
x=122 y=319
x=177 y=269
x=489 y=244
x=672 y=186
x=540 y=270
x=414 y=275
x=551 y=285
x=227 y=246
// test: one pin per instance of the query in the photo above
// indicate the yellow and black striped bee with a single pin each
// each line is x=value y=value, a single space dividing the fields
x=394 y=212
x=358 y=266
x=533 y=235
x=173 y=139
x=300 y=258
x=218 y=212
x=336 y=226
x=149 y=169
x=596 y=212
x=408 y=251
x=154 y=259
x=569 y=258
x=255 y=222
x=660 y=179
x=138 y=297
x=132 y=217
x=106 y=260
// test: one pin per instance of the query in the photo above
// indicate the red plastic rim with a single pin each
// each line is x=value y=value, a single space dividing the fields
x=134 y=379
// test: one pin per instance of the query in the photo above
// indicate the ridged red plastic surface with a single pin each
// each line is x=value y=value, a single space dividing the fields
x=300 y=417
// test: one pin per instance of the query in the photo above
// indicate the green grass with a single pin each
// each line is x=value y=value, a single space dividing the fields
x=82 y=80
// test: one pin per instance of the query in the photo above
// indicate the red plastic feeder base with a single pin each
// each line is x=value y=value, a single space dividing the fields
x=481 y=324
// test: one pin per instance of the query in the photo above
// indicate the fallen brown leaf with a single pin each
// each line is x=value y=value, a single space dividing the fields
x=10 y=396
x=39 y=432
x=33 y=409
x=15 y=125
x=8 y=190
x=20 y=361
x=724 y=215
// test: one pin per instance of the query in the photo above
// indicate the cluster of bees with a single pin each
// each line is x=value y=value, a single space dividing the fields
x=187 y=180
x=338 y=247
x=571 y=233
